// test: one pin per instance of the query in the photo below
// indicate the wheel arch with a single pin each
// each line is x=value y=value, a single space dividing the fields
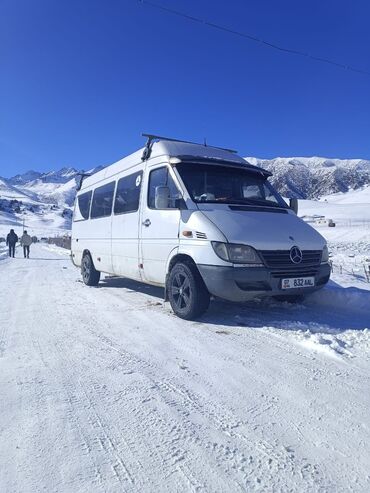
x=86 y=251
x=175 y=259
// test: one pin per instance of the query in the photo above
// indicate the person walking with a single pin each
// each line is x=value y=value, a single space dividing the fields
x=26 y=242
x=11 y=241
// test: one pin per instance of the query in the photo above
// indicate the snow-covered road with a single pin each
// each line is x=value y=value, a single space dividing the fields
x=104 y=390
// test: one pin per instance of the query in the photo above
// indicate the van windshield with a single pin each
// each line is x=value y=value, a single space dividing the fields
x=222 y=184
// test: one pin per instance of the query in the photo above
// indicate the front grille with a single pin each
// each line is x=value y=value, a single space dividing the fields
x=281 y=259
x=286 y=273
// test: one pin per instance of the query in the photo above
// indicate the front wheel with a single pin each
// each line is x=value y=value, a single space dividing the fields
x=187 y=293
x=90 y=275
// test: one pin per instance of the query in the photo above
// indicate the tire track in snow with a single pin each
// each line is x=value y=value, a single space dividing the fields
x=186 y=402
x=97 y=443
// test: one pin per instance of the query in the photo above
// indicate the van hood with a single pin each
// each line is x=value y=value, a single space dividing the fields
x=266 y=230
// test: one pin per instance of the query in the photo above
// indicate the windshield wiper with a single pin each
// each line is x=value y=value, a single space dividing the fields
x=265 y=203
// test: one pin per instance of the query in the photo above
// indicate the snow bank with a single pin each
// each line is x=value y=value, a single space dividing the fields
x=334 y=296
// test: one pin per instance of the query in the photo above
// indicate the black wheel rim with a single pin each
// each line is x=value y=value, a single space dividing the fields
x=86 y=269
x=181 y=291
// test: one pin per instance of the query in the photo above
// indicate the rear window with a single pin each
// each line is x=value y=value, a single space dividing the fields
x=82 y=208
x=102 y=201
x=128 y=194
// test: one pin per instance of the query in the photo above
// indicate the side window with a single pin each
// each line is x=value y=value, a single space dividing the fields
x=128 y=194
x=82 y=208
x=102 y=201
x=161 y=177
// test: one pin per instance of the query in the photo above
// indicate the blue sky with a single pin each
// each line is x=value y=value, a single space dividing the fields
x=80 y=80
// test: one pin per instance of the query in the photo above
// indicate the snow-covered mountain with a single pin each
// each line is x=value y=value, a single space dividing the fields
x=51 y=195
x=43 y=201
x=53 y=187
x=313 y=177
x=61 y=176
x=302 y=177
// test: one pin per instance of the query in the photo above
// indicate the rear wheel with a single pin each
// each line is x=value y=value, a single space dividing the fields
x=90 y=275
x=187 y=293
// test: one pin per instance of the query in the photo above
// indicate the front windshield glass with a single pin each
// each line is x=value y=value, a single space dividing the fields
x=221 y=184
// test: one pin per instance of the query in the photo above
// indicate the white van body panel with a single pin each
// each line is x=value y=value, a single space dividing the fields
x=125 y=235
x=142 y=244
x=264 y=230
x=100 y=234
x=159 y=233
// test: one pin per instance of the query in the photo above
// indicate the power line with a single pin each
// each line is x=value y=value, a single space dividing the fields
x=250 y=37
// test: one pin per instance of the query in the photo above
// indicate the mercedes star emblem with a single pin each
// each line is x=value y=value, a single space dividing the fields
x=296 y=255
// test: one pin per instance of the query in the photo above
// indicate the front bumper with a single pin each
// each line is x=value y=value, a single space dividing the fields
x=245 y=283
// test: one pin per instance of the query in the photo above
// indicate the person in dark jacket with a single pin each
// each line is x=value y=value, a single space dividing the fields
x=11 y=241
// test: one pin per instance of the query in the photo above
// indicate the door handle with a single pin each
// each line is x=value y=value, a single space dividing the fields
x=147 y=223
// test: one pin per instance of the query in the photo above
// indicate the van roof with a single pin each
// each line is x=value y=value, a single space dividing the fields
x=183 y=151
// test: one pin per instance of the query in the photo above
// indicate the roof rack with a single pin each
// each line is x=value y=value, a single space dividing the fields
x=154 y=138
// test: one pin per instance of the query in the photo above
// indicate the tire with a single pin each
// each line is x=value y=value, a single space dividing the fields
x=90 y=275
x=187 y=293
x=297 y=298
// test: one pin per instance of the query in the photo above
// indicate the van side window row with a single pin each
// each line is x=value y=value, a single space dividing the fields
x=127 y=195
x=126 y=200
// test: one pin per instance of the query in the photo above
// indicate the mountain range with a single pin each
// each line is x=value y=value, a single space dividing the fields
x=39 y=193
x=314 y=177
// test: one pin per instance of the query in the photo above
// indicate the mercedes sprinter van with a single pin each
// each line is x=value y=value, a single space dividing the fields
x=199 y=221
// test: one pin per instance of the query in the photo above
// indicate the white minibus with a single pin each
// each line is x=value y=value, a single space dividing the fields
x=199 y=221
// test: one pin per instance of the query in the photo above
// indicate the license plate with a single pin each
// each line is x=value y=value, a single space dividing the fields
x=298 y=282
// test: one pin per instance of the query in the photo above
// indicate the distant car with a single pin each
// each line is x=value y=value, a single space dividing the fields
x=45 y=240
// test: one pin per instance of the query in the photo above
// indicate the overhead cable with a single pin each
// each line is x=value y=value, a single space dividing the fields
x=250 y=37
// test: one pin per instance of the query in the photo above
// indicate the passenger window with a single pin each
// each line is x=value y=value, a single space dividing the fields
x=82 y=207
x=161 y=177
x=128 y=194
x=102 y=201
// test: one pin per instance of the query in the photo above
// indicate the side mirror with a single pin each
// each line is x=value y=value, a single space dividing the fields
x=162 y=197
x=293 y=204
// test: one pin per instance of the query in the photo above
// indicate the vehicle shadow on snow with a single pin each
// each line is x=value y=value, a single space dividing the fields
x=132 y=286
x=333 y=309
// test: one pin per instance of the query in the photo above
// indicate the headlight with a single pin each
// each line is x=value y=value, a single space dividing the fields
x=325 y=255
x=237 y=254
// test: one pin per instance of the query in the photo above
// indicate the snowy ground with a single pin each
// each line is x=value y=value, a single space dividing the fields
x=104 y=390
x=349 y=240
